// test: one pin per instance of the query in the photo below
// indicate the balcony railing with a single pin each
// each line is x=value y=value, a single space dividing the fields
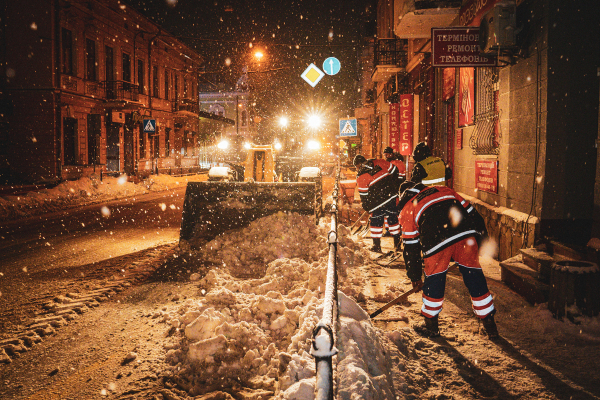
x=120 y=90
x=186 y=105
x=390 y=52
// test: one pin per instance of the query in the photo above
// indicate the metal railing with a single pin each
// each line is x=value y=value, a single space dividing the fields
x=121 y=90
x=186 y=105
x=324 y=334
x=390 y=52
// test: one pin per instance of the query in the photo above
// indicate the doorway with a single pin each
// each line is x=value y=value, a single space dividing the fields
x=449 y=121
x=128 y=152
x=259 y=166
x=113 y=161
x=69 y=132
x=93 y=133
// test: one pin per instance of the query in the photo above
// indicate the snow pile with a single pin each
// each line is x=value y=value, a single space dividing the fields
x=278 y=236
x=255 y=334
x=83 y=191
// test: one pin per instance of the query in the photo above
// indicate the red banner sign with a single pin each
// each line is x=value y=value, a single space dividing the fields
x=395 y=126
x=406 y=124
x=486 y=175
x=457 y=47
x=449 y=83
x=466 y=96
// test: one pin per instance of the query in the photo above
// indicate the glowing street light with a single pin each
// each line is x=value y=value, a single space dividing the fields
x=278 y=146
x=223 y=144
x=313 y=145
x=258 y=55
x=283 y=122
x=314 y=121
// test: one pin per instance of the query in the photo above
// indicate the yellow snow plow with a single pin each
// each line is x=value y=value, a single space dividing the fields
x=211 y=208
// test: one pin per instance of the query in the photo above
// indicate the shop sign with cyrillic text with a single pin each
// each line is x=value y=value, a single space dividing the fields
x=395 y=126
x=406 y=124
x=486 y=175
x=458 y=47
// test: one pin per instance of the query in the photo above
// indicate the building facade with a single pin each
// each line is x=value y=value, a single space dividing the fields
x=93 y=86
x=520 y=134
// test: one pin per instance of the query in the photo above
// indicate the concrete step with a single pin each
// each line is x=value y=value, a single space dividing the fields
x=524 y=280
x=539 y=261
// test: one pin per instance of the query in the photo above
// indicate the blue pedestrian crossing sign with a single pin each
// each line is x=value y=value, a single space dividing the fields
x=331 y=66
x=149 y=125
x=348 y=127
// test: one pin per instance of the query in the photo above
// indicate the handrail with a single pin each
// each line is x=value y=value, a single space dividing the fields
x=323 y=344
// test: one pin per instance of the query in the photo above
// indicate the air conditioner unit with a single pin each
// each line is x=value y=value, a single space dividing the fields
x=497 y=28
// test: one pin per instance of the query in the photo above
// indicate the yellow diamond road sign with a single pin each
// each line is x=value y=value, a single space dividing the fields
x=312 y=75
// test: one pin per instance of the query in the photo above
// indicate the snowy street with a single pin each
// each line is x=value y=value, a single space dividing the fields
x=234 y=321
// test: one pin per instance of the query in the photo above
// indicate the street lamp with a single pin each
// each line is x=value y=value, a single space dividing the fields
x=314 y=121
x=283 y=122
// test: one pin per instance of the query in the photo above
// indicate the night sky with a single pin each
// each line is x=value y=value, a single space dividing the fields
x=291 y=33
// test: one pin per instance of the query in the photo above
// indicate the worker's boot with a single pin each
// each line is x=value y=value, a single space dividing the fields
x=397 y=243
x=376 y=245
x=490 y=327
x=430 y=329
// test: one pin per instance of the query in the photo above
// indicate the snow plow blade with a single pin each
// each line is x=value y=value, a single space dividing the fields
x=211 y=208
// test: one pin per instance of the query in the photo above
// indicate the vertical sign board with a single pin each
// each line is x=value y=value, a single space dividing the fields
x=459 y=139
x=486 y=175
x=449 y=83
x=406 y=124
x=466 y=97
x=395 y=126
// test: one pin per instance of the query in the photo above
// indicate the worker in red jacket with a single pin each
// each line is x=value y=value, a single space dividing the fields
x=378 y=189
x=398 y=160
x=439 y=226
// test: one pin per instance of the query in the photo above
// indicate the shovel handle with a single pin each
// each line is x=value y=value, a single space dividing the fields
x=359 y=218
x=397 y=300
x=403 y=296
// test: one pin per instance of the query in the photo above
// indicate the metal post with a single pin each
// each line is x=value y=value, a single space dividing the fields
x=323 y=345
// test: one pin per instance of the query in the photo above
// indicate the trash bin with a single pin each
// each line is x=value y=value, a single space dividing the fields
x=574 y=283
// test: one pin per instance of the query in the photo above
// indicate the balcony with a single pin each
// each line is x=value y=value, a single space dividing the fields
x=390 y=59
x=120 y=91
x=417 y=17
x=186 y=106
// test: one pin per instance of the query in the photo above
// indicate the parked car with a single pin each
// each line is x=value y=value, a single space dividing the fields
x=225 y=174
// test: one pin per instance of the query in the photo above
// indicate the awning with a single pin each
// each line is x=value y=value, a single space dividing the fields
x=204 y=114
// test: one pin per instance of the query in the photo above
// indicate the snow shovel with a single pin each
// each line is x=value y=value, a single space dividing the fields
x=397 y=300
x=356 y=222
x=403 y=296
x=363 y=230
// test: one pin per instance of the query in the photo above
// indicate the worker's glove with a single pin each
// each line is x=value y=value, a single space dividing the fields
x=417 y=285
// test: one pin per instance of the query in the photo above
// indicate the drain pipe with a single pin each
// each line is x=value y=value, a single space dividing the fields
x=151 y=87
